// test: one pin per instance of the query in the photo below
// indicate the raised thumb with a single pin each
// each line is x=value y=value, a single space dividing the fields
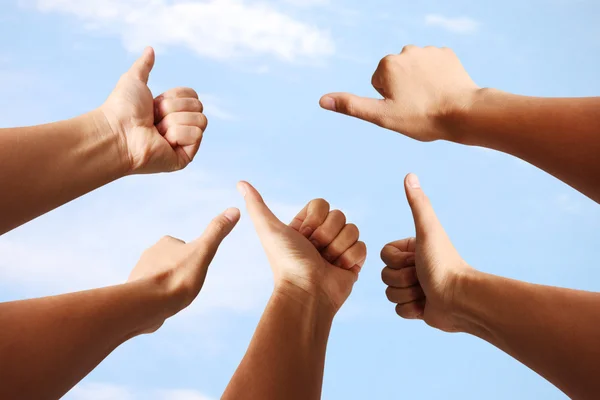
x=262 y=217
x=143 y=66
x=426 y=222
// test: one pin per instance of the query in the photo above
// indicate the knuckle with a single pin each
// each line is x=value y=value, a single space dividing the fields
x=409 y=47
x=200 y=106
x=353 y=230
x=389 y=293
x=338 y=215
x=321 y=204
x=220 y=224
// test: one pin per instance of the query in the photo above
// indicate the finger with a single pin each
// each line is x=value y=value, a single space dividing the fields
x=182 y=135
x=397 y=259
x=414 y=310
x=296 y=223
x=182 y=118
x=143 y=66
x=375 y=111
x=426 y=222
x=406 y=245
x=355 y=256
x=329 y=230
x=404 y=295
x=191 y=150
x=316 y=213
x=347 y=237
x=262 y=217
x=167 y=106
x=400 y=278
x=178 y=92
x=218 y=229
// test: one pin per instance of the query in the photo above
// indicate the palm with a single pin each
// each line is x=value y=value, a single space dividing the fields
x=295 y=258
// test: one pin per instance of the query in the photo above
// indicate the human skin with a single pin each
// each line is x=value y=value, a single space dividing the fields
x=554 y=331
x=43 y=167
x=49 y=344
x=427 y=95
x=315 y=261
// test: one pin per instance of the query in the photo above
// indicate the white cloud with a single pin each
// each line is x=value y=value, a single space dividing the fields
x=462 y=25
x=107 y=391
x=217 y=29
x=307 y=3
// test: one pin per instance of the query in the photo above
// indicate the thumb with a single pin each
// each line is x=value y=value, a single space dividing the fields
x=262 y=217
x=143 y=66
x=213 y=235
x=371 y=110
x=426 y=222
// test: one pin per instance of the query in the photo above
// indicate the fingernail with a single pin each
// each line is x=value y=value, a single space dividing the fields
x=328 y=103
x=241 y=188
x=413 y=181
x=306 y=231
x=410 y=261
x=232 y=214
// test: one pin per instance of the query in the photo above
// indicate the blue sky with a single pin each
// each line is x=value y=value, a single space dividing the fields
x=261 y=68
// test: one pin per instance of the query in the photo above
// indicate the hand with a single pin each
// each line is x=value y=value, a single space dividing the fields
x=179 y=269
x=156 y=135
x=318 y=252
x=422 y=89
x=423 y=274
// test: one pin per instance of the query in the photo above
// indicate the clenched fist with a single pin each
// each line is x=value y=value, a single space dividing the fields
x=318 y=252
x=423 y=90
x=424 y=274
x=159 y=134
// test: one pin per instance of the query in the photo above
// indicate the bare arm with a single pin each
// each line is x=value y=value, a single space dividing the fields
x=43 y=167
x=315 y=262
x=560 y=136
x=428 y=95
x=49 y=344
x=553 y=331
x=286 y=357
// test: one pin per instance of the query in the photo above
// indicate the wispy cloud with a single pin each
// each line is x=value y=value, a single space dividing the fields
x=107 y=391
x=217 y=29
x=463 y=25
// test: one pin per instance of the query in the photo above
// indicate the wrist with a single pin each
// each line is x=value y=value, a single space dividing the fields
x=459 y=118
x=109 y=132
x=312 y=298
x=466 y=301
x=153 y=304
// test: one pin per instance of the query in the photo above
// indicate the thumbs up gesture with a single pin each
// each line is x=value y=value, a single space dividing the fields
x=425 y=92
x=318 y=253
x=159 y=134
x=424 y=274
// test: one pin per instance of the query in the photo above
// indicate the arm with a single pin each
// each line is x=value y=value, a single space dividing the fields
x=428 y=95
x=286 y=357
x=314 y=274
x=47 y=345
x=43 y=167
x=560 y=136
x=553 y=331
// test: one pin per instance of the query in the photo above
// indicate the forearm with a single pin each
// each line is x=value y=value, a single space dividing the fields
x=553 y=331
x=559 y=135
x=286 y=357
x=47 y=345
x=46 y=166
